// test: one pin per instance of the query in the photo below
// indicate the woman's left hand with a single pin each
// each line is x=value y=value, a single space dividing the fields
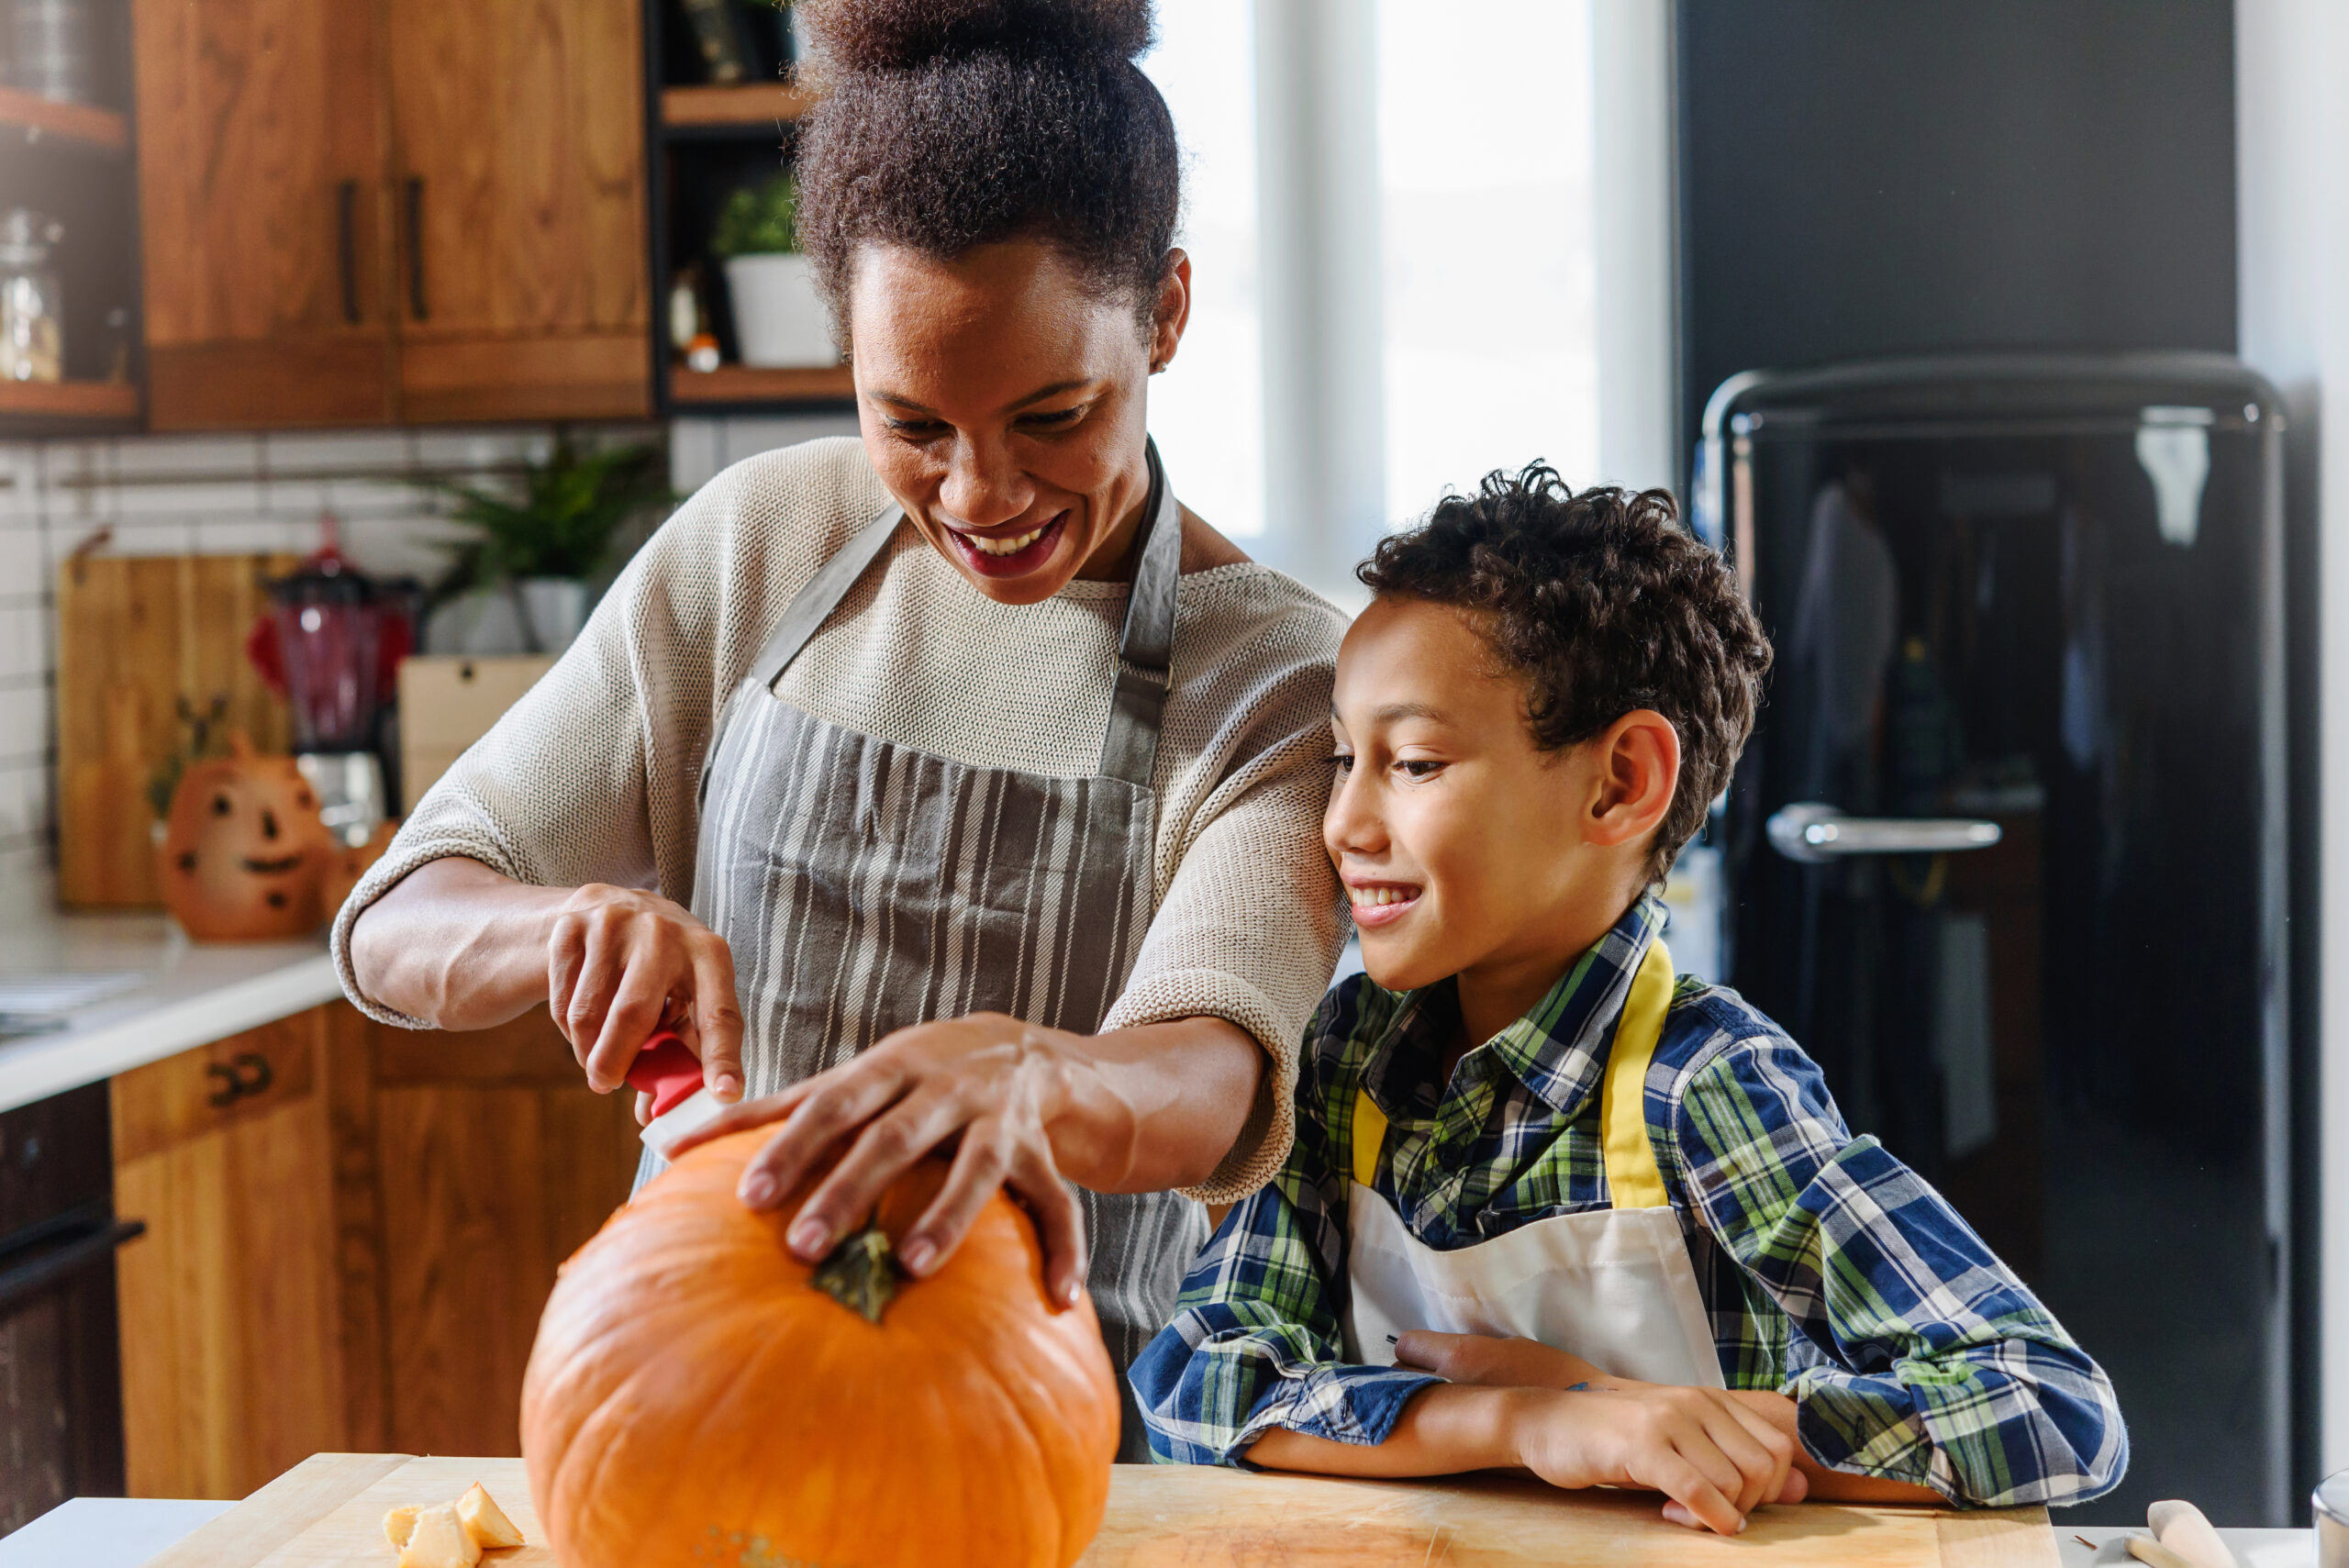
x=992 y=1085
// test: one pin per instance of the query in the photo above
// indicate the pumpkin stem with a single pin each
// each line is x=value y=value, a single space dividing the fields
x=860 y=1274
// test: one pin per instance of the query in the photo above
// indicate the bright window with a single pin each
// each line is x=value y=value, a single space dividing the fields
x=1206 y=410
x=1483 y=145
x=1484 y=244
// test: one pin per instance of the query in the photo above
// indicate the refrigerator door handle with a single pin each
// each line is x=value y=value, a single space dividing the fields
x=1818 y=834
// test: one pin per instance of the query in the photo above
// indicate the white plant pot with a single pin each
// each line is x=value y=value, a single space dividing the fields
x=779 y=317
x=557 y=609
x=484 y=624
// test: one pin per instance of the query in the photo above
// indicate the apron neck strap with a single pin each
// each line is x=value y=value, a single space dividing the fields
x=1146 y=650
x=813 y=604
x=1633 y=1180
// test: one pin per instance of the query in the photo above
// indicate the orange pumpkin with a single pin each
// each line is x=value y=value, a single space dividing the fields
x=698 y=1396
x=243 y=850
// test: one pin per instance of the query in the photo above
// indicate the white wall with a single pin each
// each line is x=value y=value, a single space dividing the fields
x=2291 y=60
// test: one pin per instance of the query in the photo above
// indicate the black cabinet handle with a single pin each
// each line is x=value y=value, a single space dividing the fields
x=248 y=1073
x=254 y=1074
x=417 y=304
x=22 y=1279
x=346 y=218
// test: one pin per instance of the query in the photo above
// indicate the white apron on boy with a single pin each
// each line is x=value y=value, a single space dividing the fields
x=1612 y=1286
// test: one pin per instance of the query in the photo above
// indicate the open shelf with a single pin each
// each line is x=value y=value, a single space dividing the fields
x=38 y=119
x=748 y=383
x=735 y=108
x=96 y=400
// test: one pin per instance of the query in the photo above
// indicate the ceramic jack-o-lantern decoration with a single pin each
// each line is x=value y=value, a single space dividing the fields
x=244 y=850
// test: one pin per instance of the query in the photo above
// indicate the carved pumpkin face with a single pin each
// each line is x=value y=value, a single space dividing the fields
x=243 y=850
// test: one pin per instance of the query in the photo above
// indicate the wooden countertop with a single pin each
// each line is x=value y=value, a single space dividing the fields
x=328 y=1513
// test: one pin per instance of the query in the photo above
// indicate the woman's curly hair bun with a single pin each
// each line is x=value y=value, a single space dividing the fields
x=894 y=35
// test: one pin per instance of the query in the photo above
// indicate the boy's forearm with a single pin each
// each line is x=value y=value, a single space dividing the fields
x=1831 y=1485
x=1443 y=1431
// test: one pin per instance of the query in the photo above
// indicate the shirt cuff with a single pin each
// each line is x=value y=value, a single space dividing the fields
x=1256 y=1155
x=1344 y=1404
x=404 y=855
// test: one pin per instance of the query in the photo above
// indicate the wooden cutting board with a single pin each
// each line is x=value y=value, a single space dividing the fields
x=136 y=637
x=327 y=1512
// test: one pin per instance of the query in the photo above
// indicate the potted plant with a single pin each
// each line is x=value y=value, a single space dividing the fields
x=537 y=551
x=779 y=318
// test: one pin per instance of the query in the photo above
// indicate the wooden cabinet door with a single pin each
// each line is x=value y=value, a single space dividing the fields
x=496 y=1162
x=518 y=182
x=351 y=1232
x=230 y=1360
x=260 y=180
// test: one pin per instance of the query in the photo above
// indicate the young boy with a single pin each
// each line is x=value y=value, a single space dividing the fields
x=1548 y=1207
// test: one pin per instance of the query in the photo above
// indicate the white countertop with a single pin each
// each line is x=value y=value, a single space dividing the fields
x=104 y=1533
x=188 y=993
x=2078 y=1546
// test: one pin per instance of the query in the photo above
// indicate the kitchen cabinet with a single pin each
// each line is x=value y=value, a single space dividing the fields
x=351 y=1232
x=229 y=1363
x=518 y=151
x=261 y=195
x=421 y=211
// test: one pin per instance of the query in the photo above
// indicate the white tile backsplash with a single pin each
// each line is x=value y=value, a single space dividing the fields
x=24 y=638
x=176 y=457
x=366 y=452
x=22 y=561
x=143 y=536
x=182 y=498
x=19 y=485
x=24 y=802
x=25 y=734
x=699 y=450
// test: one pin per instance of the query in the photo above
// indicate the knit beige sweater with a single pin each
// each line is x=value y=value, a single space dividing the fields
x=591 y=775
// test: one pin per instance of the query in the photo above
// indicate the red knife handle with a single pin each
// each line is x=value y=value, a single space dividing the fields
x=665 y=1070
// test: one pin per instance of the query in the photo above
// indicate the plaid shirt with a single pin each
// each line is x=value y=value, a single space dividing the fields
x=1833 y=1273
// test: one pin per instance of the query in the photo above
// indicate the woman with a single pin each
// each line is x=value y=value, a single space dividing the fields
x=950 y=787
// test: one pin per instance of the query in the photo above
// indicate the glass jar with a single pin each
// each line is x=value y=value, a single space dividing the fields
x=32 y=306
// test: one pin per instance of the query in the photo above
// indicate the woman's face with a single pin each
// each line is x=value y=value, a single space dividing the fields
x=1004 y=405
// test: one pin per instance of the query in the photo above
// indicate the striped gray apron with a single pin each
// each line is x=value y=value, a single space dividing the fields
x=865 y=887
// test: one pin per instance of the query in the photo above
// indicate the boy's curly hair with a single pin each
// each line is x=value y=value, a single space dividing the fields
x=1602 y=604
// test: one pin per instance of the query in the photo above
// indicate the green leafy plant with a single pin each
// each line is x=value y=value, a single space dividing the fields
x=562 y=523
x=757 y=220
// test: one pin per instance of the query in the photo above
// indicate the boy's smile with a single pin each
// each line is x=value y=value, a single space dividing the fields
x=1465 y=849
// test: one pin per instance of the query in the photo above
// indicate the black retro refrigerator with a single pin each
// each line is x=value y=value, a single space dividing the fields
x=2007 y=852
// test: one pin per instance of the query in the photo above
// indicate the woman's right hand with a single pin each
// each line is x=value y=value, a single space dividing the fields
x=1715 y=1459
x=620 y=963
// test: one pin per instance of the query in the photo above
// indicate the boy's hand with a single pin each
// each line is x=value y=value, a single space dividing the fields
x=1716 y=1461
x=1489 y=1361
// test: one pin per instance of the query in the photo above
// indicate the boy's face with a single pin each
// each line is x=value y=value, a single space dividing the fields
x=1464 y=848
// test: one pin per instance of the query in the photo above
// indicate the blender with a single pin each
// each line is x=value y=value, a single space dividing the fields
x=329 y=645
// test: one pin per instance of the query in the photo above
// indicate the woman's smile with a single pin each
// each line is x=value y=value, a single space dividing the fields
x=1000 y=554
